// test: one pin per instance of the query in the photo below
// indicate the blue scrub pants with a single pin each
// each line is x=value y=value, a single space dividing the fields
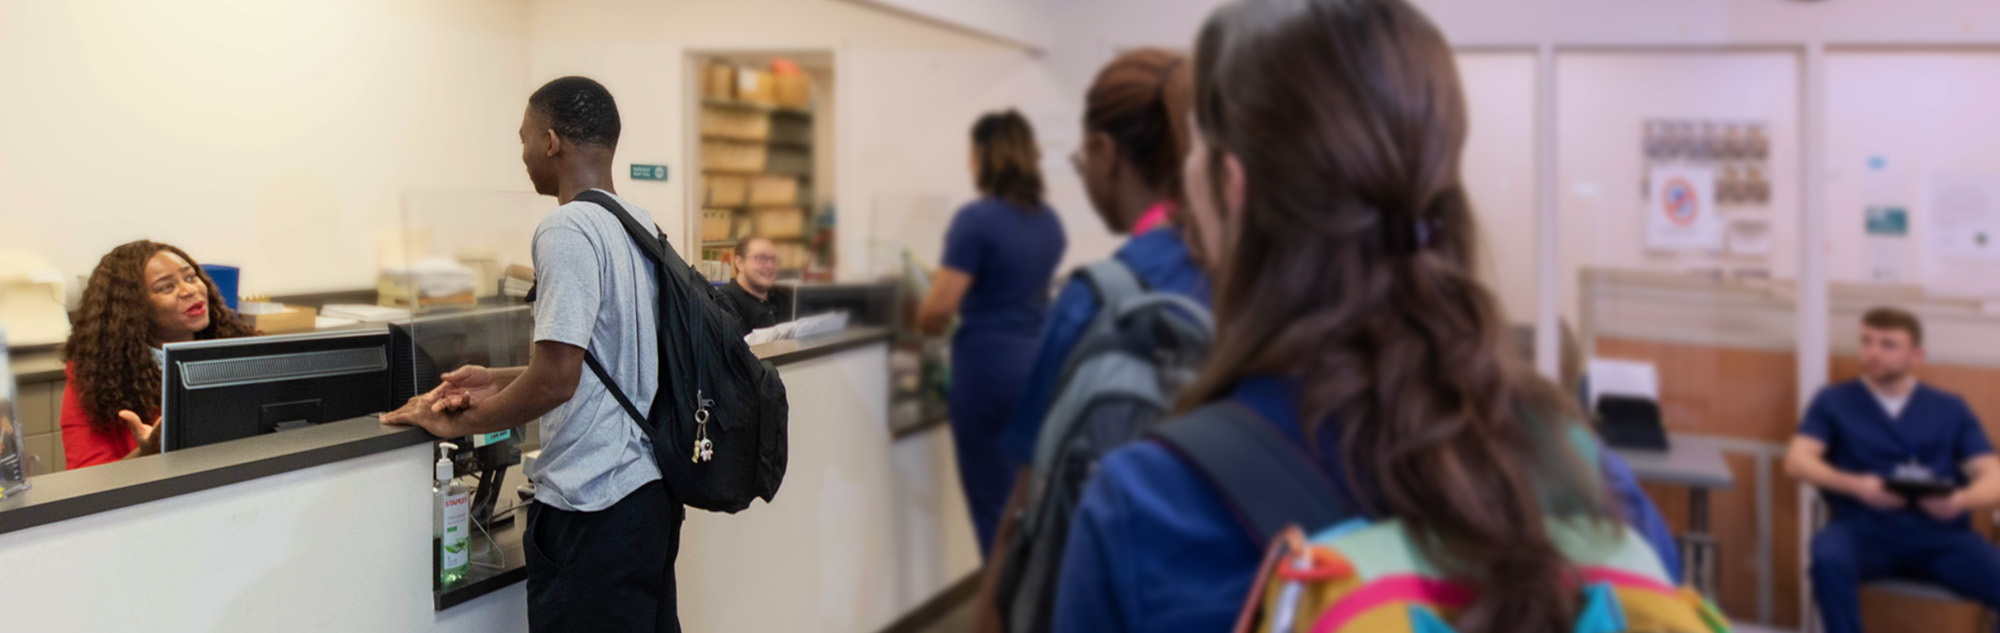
x=1849 y=552
x=988 y=374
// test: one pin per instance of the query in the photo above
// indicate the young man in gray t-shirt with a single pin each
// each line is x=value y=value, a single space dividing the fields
x=603 y=533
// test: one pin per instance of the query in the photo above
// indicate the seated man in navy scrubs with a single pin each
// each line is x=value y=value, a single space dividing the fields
x=1861 y=434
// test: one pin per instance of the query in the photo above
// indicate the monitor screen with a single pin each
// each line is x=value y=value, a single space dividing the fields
x=228 y=389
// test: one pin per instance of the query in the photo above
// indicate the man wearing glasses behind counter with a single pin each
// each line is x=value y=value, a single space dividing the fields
x=754 y=295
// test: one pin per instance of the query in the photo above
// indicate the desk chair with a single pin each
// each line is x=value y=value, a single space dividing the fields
x=1812 y=517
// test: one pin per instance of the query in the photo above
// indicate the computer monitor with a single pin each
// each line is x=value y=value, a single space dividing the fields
x=228 y=389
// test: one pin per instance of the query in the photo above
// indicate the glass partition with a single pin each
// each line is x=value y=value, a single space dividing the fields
x=453 y=293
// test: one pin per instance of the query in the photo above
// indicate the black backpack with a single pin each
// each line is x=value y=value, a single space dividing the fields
x=718 y=421
x=1117 y=384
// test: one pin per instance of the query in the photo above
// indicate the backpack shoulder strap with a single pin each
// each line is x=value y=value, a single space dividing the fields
x=653 y=244
x=649 y=241
x=616 y=393
x=1113 y=281
x=1267 y=481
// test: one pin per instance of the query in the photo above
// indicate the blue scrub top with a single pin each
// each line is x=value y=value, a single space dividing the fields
x=1011 y=255
x=1153 y=548
x=1936 y=430
x=1160 y=259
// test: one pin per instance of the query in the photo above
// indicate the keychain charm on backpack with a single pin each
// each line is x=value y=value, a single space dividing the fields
x=704 y=450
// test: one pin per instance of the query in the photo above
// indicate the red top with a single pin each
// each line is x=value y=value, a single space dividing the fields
x=83 y=444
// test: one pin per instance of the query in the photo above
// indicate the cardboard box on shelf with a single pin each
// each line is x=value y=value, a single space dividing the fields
x=755 y=86
x=725 y=190
x=781 y=222
x=718 y=80
x=792 y=256
x=793 y=91
x=715 y=224
x=277 y=318
x=774 y=190
x=730 y=156
x=736 y=123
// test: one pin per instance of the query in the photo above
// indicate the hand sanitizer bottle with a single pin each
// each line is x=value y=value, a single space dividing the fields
x=451 y=507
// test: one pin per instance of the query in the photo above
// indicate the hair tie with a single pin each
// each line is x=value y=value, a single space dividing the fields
x=1410 y=239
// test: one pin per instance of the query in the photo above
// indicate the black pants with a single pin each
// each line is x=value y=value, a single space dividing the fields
x=610 y=571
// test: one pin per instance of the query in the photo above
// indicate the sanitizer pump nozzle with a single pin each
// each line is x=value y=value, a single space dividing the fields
x=445 y=472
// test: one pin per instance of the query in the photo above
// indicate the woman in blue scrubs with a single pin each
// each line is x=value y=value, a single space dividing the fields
x=1000 y=256
x=1324 y=173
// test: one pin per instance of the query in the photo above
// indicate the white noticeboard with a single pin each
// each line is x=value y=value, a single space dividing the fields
x=1964 y=216
x=1680 y=210
x=1961 y=233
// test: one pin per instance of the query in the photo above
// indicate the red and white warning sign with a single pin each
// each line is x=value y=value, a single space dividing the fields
x=1680 y=212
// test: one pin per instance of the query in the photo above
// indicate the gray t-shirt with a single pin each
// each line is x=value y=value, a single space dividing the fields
x=596 y=290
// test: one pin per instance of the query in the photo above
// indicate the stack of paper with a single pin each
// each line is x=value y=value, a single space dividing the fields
x=1623 y=378
x=430 y=282
x=364 y=313
x=517 y=281
x=821 y=325
x=818 y=325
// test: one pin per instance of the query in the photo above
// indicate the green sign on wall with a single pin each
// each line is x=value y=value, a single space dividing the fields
x=1888 y=221
x=649 y=172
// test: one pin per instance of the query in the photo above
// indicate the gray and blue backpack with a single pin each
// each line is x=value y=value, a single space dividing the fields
x=1118 y=383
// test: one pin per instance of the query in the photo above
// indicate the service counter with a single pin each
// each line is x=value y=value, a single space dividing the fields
x=328 y=528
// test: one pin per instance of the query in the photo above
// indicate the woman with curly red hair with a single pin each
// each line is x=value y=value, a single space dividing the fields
x=141 y=296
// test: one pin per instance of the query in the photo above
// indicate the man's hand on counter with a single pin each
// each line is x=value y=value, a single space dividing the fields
x=474 y=399
x=423 y=412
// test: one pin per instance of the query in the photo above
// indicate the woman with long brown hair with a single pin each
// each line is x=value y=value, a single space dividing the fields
x=1000 y=255
x=1324 y=178
x=141 y=296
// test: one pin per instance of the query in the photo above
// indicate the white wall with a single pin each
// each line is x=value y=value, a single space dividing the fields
x=280 y=137
x=1602 y=101
x=1499 y=172
x=1922 y=113
x=1487 y=22
x=908 y=90
x=1023 y=22
x=1089 y=33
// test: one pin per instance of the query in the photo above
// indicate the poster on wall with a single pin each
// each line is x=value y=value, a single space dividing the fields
x=1964 y=221
x=1680 y=212
x=1960 y=219
x=1888 y=229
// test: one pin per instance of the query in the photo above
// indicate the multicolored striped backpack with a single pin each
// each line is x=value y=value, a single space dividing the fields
x=1367 y=577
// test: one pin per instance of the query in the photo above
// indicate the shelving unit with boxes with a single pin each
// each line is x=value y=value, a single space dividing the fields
x=757 y=126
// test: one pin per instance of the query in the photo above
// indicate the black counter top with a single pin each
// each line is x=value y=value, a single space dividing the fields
x=85 y=491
